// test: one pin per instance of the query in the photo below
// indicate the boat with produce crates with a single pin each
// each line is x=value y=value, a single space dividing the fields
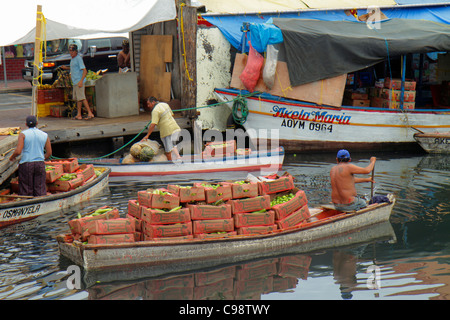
x=162 y=230
x=16 y=209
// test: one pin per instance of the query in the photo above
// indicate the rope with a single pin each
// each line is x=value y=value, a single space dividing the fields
x=184 y=44
x=240 y=117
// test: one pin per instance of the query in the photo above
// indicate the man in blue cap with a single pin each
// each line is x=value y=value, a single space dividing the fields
x=343 y=191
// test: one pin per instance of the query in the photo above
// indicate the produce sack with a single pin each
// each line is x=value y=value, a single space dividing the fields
x=252 y=70
x=270 y=67
x=144 y=150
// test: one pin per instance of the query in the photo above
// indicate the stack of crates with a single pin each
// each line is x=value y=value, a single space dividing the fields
x=48 y=100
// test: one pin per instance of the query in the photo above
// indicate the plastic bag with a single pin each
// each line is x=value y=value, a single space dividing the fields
x=270 y=67
x=252 y=70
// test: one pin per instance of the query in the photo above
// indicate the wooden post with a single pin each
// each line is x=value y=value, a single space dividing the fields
x=187 y=30
x=37 y=48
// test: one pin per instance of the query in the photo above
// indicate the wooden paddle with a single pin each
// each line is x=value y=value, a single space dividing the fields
x=371 y=188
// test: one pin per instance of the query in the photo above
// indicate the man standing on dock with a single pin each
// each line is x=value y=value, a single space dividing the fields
x=343 y=181
x=78 y=74
x=31 y=144
x=162 y=116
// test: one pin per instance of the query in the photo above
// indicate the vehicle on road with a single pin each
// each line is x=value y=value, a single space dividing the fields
x=98 y=54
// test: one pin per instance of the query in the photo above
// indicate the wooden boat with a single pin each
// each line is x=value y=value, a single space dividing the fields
x=13 y=212
x=325 y=225
x=303 y=127
x=267 y=161
x=434 y=142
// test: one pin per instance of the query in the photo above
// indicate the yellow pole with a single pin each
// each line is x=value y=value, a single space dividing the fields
x=37 y=48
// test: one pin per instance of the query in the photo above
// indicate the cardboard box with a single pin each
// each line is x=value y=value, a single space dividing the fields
x=355 y=95
x=76 y=225
x=246 y=190
x=53 y=172
x=221 y=147
x=277 y=184
x=284 y=209
x=188 y=194
x=167 y=230
x=397 y=84
x=169 y=238
x=215 y=235
x=250 y=204
x=111 y=238
x=134 y=209
x=294 y=218
x=256 y=229
x=137 y=222
x=60 y=185
x=70 y=165
x=155 y=216
x=254 y=219
x=357 y=102
x=208 y=212
x=390 y=94
x=209 y=226
x=112 y=226
x=158 y=201
x=86 y=170
x=392 y=104
x=221 y=192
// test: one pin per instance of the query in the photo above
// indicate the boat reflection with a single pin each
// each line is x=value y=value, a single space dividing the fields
x=245 y=281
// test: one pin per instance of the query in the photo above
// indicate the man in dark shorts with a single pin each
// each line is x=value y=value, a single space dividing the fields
x=343 y=191
x=31 y=144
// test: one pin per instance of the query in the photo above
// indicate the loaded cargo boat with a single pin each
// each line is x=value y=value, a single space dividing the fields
x=221 y=223
x=68 y=184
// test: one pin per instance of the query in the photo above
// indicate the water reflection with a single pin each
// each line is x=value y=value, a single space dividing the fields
x=415 y=266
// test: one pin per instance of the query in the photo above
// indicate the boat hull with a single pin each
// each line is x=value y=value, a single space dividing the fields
x=20 y=211
x=267 y=162
x=303 y=127
x=434 y=142
x=317 y=236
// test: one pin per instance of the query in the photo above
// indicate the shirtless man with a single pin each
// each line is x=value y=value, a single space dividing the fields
x=343 y=191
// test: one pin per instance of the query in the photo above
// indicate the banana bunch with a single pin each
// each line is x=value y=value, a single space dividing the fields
x=45 y=86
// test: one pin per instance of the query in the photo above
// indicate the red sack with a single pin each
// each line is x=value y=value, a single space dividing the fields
x=252 y=70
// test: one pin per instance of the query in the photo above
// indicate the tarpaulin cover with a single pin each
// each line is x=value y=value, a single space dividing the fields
x=316 y=50
x=230 y=25
x=80 y=17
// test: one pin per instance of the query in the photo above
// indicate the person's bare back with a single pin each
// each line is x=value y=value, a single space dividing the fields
x=343 y=181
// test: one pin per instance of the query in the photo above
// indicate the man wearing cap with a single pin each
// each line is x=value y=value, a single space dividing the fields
x=343 y=191
x=78 y=74
x=31 y=144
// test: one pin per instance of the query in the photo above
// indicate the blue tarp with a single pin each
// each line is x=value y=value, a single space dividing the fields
x=230 y=25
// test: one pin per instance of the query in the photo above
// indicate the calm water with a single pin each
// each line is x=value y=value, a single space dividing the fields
x=410 y=260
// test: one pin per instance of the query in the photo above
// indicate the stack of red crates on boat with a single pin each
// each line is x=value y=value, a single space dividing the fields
x=212 y=211
x=56 y=169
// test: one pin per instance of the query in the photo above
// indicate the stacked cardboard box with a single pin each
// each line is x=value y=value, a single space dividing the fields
x=222 y=210
x=389 y=96
x=219 y=149
x=103 y=226
x=356 y=98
